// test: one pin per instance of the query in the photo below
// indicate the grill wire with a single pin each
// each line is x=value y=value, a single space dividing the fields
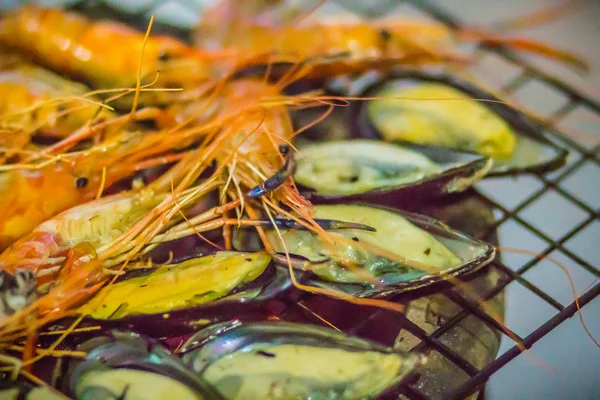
x=385 y=326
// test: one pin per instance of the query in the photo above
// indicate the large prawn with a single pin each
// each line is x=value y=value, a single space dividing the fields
x=55 y=180
x=99 y=53
x=37 y=101
x=38 y=107
x=69 y=256
x=334 y=47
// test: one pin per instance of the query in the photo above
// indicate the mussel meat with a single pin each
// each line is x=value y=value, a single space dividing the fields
x=442 y=251
x=18 y=390
x=438 y=109
x=176 y=286
x=170 y=299
x=282 y=360
x=375 y=170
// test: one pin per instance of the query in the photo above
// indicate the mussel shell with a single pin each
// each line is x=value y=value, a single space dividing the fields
x=221 y=341
x=272 y=283
x=528 y=132
x=131 y=352
x=459 y=170
x=473 y=254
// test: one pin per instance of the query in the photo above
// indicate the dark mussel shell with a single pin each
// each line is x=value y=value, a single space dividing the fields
x=124 y=365
x=423 y=239
x=289 y=360
x=384 y=173
x=180 y=319
x=533 y=151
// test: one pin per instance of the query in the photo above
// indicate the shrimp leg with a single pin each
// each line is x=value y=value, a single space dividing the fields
x=275 y=181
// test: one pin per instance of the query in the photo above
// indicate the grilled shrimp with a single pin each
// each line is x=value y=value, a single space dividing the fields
x=104 y=54
x=34 y=100
x=334 y=47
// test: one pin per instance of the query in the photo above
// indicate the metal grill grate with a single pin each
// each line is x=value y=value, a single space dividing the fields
x=324 y=311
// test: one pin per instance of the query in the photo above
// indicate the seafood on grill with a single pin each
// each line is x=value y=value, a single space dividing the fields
x=443 y=110
x=285 y=360
x=77 y=241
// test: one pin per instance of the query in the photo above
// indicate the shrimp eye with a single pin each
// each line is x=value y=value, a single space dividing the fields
x=164 y=56
x=284 y=149
x=385 y=35
x=81 y=182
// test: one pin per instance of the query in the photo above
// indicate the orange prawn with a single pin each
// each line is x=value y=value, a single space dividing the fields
x=80 y=276
x=112 y=230
x=99 y=227
x=99 y=53
x=345 y=47
x=34 y=101
x=51 y=183
x=340 y=47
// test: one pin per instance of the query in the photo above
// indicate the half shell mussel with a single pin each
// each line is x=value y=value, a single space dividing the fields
x=281 y=360
x=431 y=108
x=124 y=365
x=419 y=251
x=173 y=299
x=333 y=166
x=385 y=173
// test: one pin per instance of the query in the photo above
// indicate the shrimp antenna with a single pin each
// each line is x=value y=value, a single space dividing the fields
x=138 y=77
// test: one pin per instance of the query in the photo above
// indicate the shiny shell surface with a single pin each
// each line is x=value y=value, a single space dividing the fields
x=281 y=360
